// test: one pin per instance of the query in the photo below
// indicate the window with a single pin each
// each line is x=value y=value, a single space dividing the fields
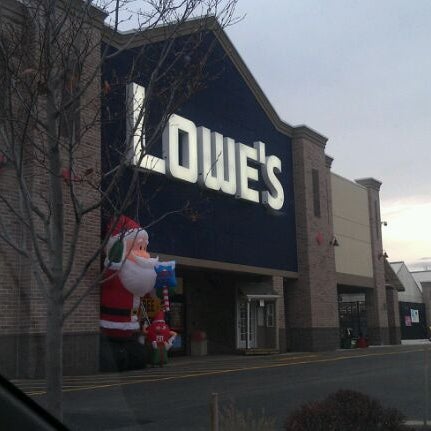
x=316 y=192
x=270 y=315
x=9 y=114
x=70 y=115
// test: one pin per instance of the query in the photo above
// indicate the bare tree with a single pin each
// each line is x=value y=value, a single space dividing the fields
x=52 y=55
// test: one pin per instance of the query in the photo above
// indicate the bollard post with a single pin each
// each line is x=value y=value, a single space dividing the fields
x=426 y=366
x=214 y=412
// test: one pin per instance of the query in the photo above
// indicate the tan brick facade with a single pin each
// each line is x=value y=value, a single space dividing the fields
x=393 y=315
x=377 y=307
x=311 y=301
x=23 y=316
x=278 y=287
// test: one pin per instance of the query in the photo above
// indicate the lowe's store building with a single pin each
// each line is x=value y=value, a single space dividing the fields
x=256 y=247
x=274 y=253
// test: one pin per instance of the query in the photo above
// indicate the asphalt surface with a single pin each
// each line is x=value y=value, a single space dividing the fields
x=177 y=396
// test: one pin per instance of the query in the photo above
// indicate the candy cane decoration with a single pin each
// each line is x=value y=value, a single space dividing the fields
x=166 y=298
x=165 y=282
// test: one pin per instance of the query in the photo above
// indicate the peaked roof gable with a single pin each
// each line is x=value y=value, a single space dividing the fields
x=391 y=278
x=412 y=289
x=133 y=39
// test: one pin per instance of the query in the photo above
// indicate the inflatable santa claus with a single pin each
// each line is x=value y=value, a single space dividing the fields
x=130 y=275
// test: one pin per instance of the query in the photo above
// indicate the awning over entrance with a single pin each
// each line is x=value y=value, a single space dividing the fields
x=257 y=291
x=262 y=296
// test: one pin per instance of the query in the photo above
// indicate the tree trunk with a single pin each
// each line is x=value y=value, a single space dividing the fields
x=54 y=353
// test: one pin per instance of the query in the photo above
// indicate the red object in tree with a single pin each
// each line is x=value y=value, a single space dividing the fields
x=319 y=238
x=69 y=176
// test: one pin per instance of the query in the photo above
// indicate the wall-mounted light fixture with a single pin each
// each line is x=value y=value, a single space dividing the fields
x=384 y=223
x=383 y=254
x=334 y=242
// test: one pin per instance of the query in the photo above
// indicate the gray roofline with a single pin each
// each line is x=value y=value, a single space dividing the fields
x=158 y=34
x=370 y=183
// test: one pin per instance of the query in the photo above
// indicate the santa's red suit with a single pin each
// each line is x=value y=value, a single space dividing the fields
x=127 y=280
x=119 y=310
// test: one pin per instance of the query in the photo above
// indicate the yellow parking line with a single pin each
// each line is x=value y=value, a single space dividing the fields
x=289 y=358
x=227 y=371
x=26 y=387
x=29 y=391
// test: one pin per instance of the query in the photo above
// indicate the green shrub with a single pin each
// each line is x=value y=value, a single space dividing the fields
x=345 y=410
x=232 y=419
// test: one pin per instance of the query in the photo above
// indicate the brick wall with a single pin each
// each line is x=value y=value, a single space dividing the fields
x=278 y=287
x=377 y=308
x=311 y=301
x=23 y=304
x=393 y=316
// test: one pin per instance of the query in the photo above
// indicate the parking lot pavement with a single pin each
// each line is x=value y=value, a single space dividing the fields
x=193 y=367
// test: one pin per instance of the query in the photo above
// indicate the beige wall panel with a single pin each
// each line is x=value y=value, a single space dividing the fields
x=353 y=257
x=351 y=227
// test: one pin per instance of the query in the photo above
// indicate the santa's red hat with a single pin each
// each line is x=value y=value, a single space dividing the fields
x=126 y=226
x=122 y=225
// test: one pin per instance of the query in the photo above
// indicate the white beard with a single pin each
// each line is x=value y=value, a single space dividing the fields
x=139 y=278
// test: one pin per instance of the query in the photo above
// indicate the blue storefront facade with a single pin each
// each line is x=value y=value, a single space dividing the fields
x=216 y=191
x=225 y=229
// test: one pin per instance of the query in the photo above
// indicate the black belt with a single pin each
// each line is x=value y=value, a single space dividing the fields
x=116 y=311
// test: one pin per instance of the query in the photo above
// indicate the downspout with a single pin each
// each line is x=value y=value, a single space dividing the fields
x=248 y=325
x=277 y=326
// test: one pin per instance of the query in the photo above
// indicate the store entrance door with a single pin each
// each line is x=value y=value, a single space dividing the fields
x=246 y=324
x=353 y=319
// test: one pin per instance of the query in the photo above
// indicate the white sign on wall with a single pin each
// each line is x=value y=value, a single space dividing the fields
x=197 y=154
x=414 y=315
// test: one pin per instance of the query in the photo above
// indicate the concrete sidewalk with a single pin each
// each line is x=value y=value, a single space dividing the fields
x=415 y=342
x=178 y=361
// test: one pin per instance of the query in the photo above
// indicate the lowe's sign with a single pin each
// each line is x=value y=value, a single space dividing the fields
x=197 y=154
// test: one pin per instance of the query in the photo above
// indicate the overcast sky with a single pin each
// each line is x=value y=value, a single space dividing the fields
x=358 y=72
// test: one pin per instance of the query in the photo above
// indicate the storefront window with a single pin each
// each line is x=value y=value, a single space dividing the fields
x=316 y=192
x=270 y=315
